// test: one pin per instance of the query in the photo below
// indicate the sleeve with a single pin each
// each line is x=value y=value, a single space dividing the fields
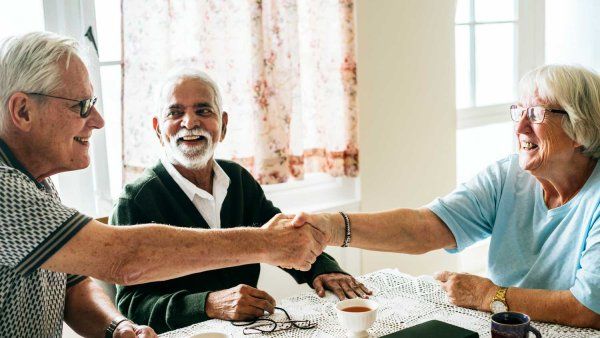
x=125 y=212
x=160 y=309
x=587 y=278
x=33 y=224
x=73 y=280
x=324 y=264
x=470 y=210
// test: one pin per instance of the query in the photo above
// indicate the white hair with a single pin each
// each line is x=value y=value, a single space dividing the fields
x=180 y=74
x=29 y=63
x=576 y=90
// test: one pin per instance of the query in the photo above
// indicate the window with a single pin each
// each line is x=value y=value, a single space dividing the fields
x=331 y=192
x=13 y=12
x=108 y=25
x=496 y=43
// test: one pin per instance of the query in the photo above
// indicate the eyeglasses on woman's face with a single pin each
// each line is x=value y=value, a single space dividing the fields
x=534 y=114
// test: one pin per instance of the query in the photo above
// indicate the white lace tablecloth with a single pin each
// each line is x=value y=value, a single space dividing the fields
x=404 y=301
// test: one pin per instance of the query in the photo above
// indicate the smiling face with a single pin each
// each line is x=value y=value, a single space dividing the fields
x=191 y=126
x=62 y=135
x=543 y=146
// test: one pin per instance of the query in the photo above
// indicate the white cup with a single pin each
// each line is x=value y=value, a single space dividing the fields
x=210 y=335
x=357 y=322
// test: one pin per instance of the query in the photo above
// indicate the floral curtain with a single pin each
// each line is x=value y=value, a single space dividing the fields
x=286 y=70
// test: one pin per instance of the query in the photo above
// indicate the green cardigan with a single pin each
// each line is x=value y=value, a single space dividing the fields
x=155 y=197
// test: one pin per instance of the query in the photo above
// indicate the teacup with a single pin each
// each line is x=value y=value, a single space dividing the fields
x=357 y=315
x=512 y=325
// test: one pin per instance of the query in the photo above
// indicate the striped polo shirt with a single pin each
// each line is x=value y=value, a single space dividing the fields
x=33 y=226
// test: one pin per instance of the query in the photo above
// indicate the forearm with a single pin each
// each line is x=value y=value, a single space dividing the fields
x=411 y=231
x=160 y=253
x=88 y=310
x=554 y=306
x=145 y=253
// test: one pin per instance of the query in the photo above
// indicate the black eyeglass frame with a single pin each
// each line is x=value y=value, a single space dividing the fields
x=530 y=113
x=85 y=106
x=276 y=326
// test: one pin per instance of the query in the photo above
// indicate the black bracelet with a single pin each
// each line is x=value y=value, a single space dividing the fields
x=348 y=230
x=110 y=330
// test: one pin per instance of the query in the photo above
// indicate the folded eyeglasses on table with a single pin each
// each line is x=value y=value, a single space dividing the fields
x=267 y=325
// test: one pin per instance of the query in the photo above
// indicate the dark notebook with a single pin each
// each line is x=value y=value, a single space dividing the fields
x=434 y=329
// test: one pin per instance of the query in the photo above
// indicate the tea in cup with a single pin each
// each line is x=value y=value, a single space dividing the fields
x=357 y=315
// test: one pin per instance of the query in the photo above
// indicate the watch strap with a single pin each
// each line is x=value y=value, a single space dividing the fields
x=110 y=330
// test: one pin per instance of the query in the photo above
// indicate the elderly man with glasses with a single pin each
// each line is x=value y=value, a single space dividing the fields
x=47 y=117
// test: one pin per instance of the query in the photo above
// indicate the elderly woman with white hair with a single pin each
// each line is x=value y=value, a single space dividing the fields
x=540 y=208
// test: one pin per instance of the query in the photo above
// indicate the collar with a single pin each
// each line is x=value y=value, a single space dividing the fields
x=7 y=158
x=190 y=189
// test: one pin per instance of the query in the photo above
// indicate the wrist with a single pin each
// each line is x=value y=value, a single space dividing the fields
x=496 y=299
x=339 y=230
x=208 y=308
x=114 y=324
x=261 y=240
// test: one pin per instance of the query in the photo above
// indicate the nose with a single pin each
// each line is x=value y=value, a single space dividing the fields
x=524 y=124
x=190 y=119
x=96 y=120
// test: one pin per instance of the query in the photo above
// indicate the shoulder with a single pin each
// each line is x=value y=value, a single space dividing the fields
x=234 y=170
x=147 y=182
x=15 y=181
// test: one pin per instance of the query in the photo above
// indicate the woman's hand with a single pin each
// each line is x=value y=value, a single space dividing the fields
x=467 y=290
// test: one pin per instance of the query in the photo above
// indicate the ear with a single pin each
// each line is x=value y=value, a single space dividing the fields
x=224 y=121
x=156 y=127
x=19 y=109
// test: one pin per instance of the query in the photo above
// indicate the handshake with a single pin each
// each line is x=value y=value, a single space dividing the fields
x=297 y=241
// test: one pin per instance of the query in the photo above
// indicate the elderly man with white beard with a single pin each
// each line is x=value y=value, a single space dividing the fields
x=189 y=188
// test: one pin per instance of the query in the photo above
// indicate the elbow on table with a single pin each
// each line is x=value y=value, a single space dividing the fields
x=581 y=316
x=587 y=319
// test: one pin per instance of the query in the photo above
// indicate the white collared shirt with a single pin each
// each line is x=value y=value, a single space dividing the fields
x=208 y=205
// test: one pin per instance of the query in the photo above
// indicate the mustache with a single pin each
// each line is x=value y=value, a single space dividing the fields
x=192 y=132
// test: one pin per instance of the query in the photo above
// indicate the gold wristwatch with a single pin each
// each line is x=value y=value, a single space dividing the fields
x=498 y=303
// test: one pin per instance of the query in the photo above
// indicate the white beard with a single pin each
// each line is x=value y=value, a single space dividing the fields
x=191 y=157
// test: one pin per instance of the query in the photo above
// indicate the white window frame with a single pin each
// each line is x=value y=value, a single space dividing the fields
x=529 y=50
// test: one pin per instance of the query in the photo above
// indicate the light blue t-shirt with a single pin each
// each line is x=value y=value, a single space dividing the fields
x=530 y=246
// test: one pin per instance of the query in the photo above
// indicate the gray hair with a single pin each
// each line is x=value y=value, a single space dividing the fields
x=574 y=89
x=176 y=76
x=29 y=63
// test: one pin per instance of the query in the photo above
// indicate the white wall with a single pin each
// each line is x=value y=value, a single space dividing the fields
x=573 y=32
x=407 y=113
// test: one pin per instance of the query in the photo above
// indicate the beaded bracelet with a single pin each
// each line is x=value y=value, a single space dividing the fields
x=348 y=230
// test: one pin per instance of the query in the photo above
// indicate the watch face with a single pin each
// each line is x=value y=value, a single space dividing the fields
x=497 y=306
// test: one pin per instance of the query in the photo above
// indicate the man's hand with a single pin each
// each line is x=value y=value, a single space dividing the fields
x=128 y=329
x=242 y=302
x=342 y=285
x=331 y=225
x=294 y=247
x=467 y=290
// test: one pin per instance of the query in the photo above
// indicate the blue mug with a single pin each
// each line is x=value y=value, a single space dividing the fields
x=512 y=325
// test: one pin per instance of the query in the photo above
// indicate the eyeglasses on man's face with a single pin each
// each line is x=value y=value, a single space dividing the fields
x=267 y=325
x=534 y=114
x=85 y=106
